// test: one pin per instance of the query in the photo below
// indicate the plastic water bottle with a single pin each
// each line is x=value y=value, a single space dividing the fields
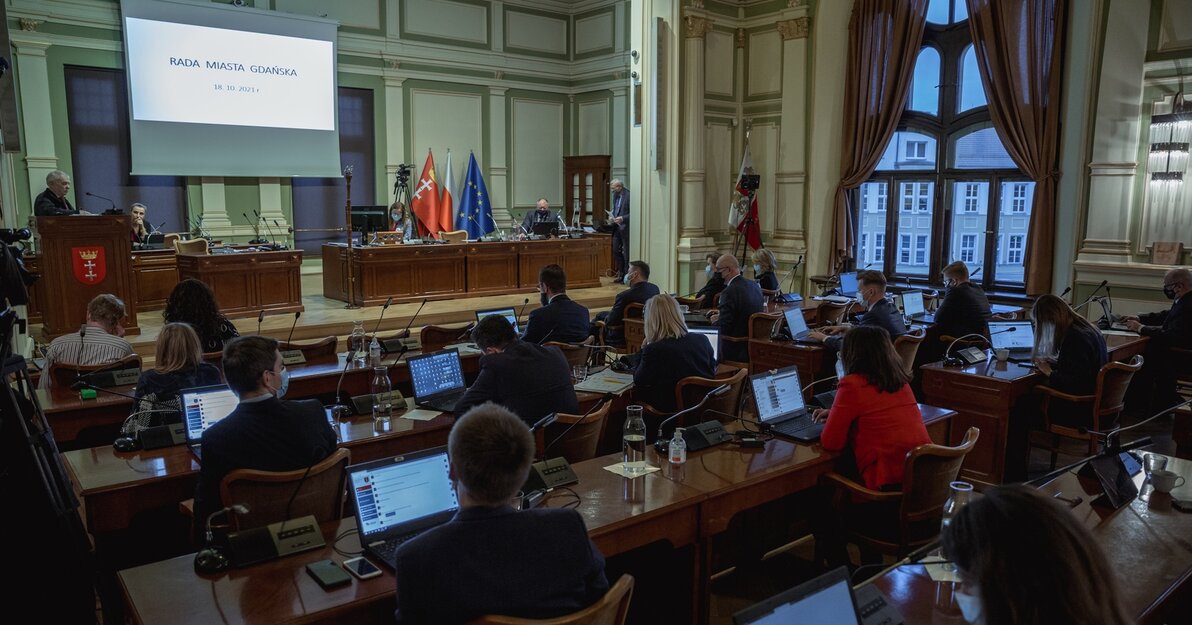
x=678 y=448
x=959 y=494
x=382 y=400
x=374 y=352
x=356 y=342
x=633 y=441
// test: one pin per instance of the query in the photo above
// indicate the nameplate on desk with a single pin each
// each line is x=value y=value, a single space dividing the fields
x=274 y=541
x=293 y=357
x=119 y=377
x=362 y=404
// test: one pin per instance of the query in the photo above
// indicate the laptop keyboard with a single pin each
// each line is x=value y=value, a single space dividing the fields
x=795 y=426
x=386 y=550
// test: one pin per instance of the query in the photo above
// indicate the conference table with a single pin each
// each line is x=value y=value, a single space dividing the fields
x=1146 y=542
x=687 y=506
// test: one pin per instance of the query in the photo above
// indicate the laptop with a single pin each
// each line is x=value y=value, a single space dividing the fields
x=438 y=380
x=508 y=313
x=398 y=498
x=778 y=403
x=848 y=284
x=202 y=408
x=713 y=336
x=826 y=600
x=797 y=324
x=912 y=306
x=544 y=228
x=1016 y=336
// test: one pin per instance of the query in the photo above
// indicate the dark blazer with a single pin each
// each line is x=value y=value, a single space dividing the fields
x=561 y=320
x=535 y=564
x=661 y=365
x=715 y=285
x=964 y=310
x=1173 y=327
x=269 y=435
x=636 y=294
x=531 y=380
x=768 y=281
x=739 y=300
x=1081 y=356
x=883 y=314
x=532 y=217
x=619 y=207
x=46 y=204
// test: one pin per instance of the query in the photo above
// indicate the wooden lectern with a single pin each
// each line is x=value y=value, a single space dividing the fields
x=83 y=256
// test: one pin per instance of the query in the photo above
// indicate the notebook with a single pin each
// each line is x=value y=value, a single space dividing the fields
x=202 y=408
x=398 y=498
x=912 y=306
x=778 y=403
x=826 y=600
x=438 y=380
x=1016 y=336
x=797 y=324
x=713 y=336
x=508 y=313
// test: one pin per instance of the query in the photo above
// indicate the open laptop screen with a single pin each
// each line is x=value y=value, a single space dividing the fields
x=203 y=407
x=401 y=490
x=848 y=284
x=912 y=303
x=713 y=336
x=507 y=313
x=436 y=373
x=777 y=394
x=796 y=322
x=1012 y=335
x=825 y=600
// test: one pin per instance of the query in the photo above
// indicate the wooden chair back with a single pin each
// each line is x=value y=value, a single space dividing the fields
x=582 y=436
x=829 y=313
x=168 y=240
x=193 y=246
x=734 y=339
x=927 y=474
x=215 y=358
x=434 y=338
x=326 y=349
x=267 y=493
x=761 y=325
x=635 y=334
x=612 y=609
x=1112 y=381
x=61 y=375
x=575 y=354
x=635 y=311
x=691 y=390
x=1104 y=405
x=454 y=236
x=907 y=347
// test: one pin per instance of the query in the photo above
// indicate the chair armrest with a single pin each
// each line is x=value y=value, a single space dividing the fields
x=1047 y=390
x=858 y=492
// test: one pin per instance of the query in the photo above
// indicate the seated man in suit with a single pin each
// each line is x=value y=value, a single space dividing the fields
x=964 y=310
x=540 y=215
x=99 y=342
x=715 y=283
x=263 y=432
x=529 y=379
x=1155 y=383
x=640 y=290
x=559 y=319
x=490 y=558
x=871 y=293
x=740 y=298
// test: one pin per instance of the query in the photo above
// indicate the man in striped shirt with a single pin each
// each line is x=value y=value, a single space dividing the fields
x=100 y=341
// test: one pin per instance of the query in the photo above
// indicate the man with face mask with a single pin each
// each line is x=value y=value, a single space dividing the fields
x=714 y=285
x=871 y=295
x=1153 y=388
x=964 y=309
x=264 y=432
x=639 y=292
x=540 y=214
x=560 y=319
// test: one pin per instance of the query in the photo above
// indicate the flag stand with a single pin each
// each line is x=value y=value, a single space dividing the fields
x=748 y=221
x=348 y=229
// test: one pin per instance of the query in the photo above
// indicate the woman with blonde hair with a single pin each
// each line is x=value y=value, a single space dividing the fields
x=764 y=265
x=178 y=364
x=669 y=354
x=1070 y=352
x=399 y=221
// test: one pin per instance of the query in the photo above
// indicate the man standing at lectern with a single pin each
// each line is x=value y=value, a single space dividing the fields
x=621 y=232
x=52 y=201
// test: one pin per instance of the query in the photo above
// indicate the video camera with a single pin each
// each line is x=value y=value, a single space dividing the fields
x=10 y=236
x=751 y=182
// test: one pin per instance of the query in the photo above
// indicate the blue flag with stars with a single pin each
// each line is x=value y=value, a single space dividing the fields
x=475 y=213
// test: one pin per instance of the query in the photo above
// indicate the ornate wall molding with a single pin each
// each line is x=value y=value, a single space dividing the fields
x=29 y=25
x=793 y=29
x=741 y=38
x=696 y=27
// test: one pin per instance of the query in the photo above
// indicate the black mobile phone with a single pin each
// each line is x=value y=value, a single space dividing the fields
x=1183 y=505
x=327 y=573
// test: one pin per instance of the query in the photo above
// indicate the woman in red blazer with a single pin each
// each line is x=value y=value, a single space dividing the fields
x=874 y=412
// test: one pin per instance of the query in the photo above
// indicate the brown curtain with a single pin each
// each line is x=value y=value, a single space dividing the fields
x=1019 y=48
x=884 y=37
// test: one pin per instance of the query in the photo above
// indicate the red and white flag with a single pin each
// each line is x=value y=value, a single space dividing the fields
x=742 y=210
x=447 y=204
x=424 y=200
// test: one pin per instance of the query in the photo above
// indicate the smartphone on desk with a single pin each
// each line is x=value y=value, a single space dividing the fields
x=327 y=574
x=361 y=568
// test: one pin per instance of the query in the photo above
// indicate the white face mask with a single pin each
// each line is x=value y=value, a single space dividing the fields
x=970 y=607
x=839 y=369
x=757 y=268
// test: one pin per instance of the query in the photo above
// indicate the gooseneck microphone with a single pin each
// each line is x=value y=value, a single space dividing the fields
x=660 y=442
x=1092 y=295
x=106 y=199
x=405 y=333
x=339 y=411
x=377 y=327
x=523 y=309
x=297 y=314
x=256 y=229
x=280 y=229
x=1067 y=290
x=273 y=239
x=260 y=318
x=211 y=558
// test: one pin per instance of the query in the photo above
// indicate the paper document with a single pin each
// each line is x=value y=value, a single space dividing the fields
x=607 y=381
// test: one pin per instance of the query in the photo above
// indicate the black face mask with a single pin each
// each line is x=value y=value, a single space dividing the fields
x=1169 y=292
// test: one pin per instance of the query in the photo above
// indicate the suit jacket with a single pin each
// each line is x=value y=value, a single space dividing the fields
x=269 y=435
x=661 y=365
x=531 y=380
x=532 y=218
x=1171 y=327
x=883 y=314
x=739 y=300
x=715 y=285
x=620 y=208
x=964 y=310
x=636 y=294
x=46 y=204
x=561 y=320
x=1082 y=354
x=768 y=281
x=535 y=563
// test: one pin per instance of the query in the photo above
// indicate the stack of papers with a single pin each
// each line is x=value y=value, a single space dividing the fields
x=607 y=381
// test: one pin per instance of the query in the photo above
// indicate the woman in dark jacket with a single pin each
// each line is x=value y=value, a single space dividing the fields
x=1070 y=352
x=192 y=302
x=178 y=365
x=669 y=354
x=764 y=264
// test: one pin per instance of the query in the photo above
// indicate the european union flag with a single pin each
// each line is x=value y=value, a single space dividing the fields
x=475 y=213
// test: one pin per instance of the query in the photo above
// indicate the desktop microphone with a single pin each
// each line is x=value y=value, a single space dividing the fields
x=951 y=361
x=260 y=318
x=275 y=244
x=1107 y=317
x=157 y=228
x=377 y=327
x=1092 y=295
x=273 y=241
x=1067 y=290
x=544 y=421
x=805 y=388
x=291 y=355
x=976 y=271
x=660 y=443
x=547 y=335
x=523 y=309
x=339 y=411
x=1111 y=441
x=405 y=333
x=106 y=199
x=211 y=558
x=129 y=439
x=600 y=402
x=256 y=229
x=198 y=225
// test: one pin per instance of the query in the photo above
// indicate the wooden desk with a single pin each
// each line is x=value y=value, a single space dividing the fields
x=156 y=274
x=985 y=395
x=246 y=283
x=1146 y=544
